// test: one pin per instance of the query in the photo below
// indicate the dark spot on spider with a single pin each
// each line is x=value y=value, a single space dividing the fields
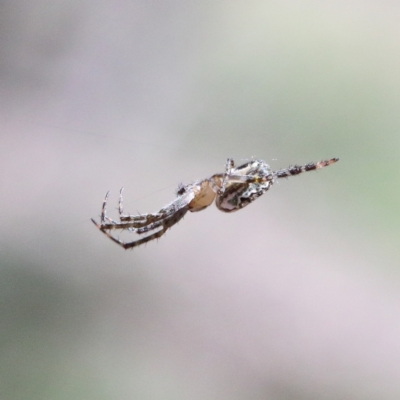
x=181 y=190
x=282 y=174
x=310 y=166
x=234 y=201
x=295 y=169
x=242 y=166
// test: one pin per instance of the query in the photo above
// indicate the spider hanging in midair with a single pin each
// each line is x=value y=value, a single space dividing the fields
x=232 y=190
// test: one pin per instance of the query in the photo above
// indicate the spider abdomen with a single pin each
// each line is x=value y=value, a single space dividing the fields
x=237 y=196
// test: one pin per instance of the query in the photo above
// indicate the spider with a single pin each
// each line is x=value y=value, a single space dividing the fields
x=232 y=190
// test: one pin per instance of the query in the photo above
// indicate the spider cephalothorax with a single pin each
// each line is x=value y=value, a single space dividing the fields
x=232 y=190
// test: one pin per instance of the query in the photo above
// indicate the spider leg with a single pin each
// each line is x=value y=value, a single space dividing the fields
x=144 y=223
x=138 y=221
x=239 y=179
x=150 y=227
x=129 y=226
x=247 y=179
x=103 y=208
x=144 y=240
x=230 y=164
x=166 y=224
x=104 y=217
x=111 y=220
x=120 y=204
x=142 y=218
x=132 y=226
x=298 y=169
x=130 y=244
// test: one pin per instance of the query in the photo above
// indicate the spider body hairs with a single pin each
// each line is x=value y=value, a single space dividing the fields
x=232 y=190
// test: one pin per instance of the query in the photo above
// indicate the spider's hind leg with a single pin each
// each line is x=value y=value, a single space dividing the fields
x=121 y=205
x=298 y=169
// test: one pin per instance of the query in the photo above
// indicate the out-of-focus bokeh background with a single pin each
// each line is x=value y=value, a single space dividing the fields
x=295 y=297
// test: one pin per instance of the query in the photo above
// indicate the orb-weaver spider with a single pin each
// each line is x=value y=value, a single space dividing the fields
x=232 y=190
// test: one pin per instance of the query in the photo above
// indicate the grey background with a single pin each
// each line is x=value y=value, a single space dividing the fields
x=294 y=297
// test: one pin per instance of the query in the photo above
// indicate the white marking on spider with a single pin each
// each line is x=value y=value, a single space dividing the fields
x=236 y=188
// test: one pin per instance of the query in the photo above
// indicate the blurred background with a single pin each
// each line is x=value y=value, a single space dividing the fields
x=295 y=297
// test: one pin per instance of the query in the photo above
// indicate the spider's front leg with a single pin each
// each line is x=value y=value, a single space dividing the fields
x=154 y=224
x=104 y=216
x=165 y=224
x=140 y=220
x=107 y=223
